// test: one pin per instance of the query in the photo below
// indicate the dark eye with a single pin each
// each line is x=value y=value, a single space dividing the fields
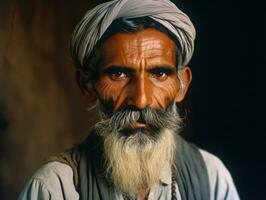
x=160 y=75
x=118 y=75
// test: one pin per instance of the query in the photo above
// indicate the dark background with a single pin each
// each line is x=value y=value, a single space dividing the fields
x=228 y=89
x=42 y=111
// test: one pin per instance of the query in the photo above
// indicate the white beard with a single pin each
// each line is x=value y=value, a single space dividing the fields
x=135 y=162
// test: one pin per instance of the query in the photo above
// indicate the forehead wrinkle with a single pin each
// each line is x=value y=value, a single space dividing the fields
x=139 y=44
x=150 y=41
x=131 y=49
x=150 y=45
x=146 y=53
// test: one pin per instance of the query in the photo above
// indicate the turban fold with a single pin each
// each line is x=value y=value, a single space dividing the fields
x=97 y=20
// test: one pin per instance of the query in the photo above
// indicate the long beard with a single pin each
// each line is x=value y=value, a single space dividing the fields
x=135 y=161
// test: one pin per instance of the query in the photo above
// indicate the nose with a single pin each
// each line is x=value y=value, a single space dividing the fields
x=139 y=93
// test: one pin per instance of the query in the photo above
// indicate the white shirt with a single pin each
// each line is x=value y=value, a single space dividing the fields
x=54 y=181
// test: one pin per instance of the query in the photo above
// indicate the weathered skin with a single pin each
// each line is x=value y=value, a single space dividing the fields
x=146 y=85
x=139 y=69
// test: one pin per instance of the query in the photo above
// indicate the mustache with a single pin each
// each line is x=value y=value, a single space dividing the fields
x=155 y=119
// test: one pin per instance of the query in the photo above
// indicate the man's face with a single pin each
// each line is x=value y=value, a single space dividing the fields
x=137 y=86
x=138 y=70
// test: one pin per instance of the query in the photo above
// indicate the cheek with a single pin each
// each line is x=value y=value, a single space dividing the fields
x=108 y=90
x=165 y=92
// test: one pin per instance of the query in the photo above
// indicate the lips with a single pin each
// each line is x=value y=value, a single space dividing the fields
x=137 y=125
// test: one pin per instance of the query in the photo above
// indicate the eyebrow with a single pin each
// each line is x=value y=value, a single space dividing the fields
x=165 y=68
x=130 y=70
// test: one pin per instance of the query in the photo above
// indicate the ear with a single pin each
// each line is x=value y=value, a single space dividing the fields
x=88 y=93
x=186 y=77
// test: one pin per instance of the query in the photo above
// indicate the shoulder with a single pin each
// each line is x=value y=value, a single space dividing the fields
x=221 y=182
x=53 y=180
x=51 y=170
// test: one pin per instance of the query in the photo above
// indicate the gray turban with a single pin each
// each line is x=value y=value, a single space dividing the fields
x=96 y=21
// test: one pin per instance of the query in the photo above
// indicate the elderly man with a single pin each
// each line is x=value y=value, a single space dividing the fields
x=131 y=58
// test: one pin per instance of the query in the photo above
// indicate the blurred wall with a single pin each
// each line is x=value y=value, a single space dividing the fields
x=41 y=109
